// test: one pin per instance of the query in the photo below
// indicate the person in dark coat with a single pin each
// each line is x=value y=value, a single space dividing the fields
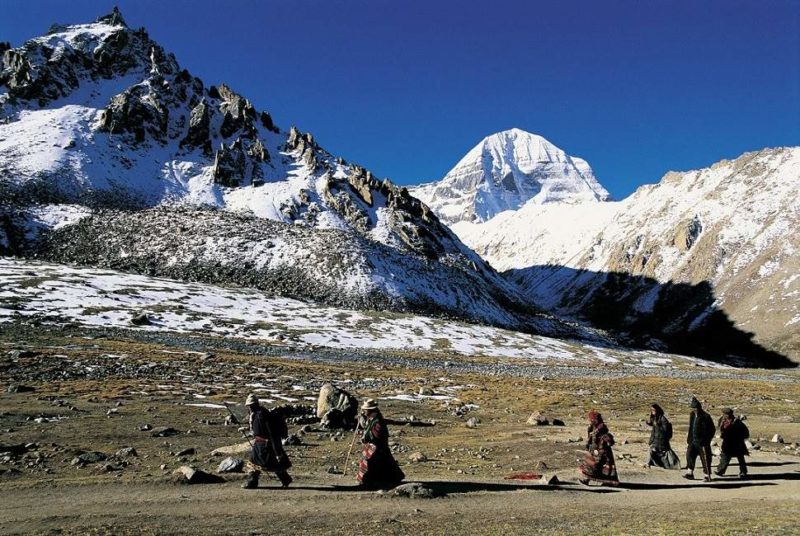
x=733 y=432
x=698 y=440
x=661 y=453
x=267 y=454
x=598 y=463
x=377 y=469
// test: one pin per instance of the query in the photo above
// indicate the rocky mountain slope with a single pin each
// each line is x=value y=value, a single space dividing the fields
x=505 y=171
x=701 y=260
x=98 y=121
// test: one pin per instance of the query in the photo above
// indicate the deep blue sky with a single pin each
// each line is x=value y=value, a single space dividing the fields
x=405 y=88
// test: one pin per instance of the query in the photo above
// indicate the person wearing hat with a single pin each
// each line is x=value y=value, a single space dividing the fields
x=733 y=433
x=377 y=468
x=267 y=454
x=698 y=440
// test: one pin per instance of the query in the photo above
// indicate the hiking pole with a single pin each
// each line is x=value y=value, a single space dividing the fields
x=352 y=443
x=235 y=418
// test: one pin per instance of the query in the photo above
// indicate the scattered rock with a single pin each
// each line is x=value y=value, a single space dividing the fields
x=777 y=438
x=145 y=428
x=232 y=449
x=164 y=431
x=88 y=457
x=292 y=440
x=537 y=419
x=473 y=422
x=413 y=490
x=127 y=452
x=186 y=452
x=187 y=474
x=558 y=422
x=141 y=319
x=16 y=354
x=334 y=470
x=20 y=389
x=231 y=465
x=418 y=457
x=549 y=480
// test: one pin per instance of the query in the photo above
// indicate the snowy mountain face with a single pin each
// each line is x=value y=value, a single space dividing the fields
x=99 y=116
x=109 y=119
x=703 y=259
x=504 y=172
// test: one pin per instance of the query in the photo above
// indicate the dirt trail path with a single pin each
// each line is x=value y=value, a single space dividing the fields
x=658 y=501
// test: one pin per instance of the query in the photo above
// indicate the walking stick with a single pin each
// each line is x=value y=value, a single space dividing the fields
x=352 y=443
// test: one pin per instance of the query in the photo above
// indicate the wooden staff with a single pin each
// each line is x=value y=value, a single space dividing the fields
x=353 y=442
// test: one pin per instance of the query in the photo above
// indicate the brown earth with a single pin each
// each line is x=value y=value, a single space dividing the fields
x=83 y=379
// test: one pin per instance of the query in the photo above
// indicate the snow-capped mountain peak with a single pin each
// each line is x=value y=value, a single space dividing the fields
x=504 y=172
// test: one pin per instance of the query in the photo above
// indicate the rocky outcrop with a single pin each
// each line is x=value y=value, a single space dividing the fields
x=52 y=67
x=138 y=111
x=230 y=164
x=199 y=128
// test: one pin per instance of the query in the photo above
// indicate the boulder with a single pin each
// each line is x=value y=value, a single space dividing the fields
x=413 y=490
x=163 y=431
x=777 y=438
x=16 y=388
x=141 y=319
x=231 y=465
x=187 y=474
x=537 y=419
x=127 y=452
x=473 y=422
x=88 y=457
x=292 y=440
x=232 y=449
x=334 y=398
x=417 y=457
x=549 y=480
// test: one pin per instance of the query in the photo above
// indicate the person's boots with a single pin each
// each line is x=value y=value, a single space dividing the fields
x=252 y=480
x=285 y=479
x=689 y=475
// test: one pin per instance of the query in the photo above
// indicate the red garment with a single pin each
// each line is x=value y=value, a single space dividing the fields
x=598 y=463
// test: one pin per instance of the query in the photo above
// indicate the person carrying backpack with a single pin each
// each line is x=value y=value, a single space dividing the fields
x=268 y=428
x=661 y=453
x=733 y=433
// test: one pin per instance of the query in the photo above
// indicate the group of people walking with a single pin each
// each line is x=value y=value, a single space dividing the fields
x=599 y=465
x=377 y=467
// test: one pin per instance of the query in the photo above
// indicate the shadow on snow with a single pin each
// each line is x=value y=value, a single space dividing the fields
x=680 y=318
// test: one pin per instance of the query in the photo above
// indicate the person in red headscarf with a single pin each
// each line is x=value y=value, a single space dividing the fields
x=598 y=463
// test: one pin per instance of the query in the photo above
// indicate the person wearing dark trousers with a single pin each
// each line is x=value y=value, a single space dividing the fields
x=267 y=454
x=733 y=433
x=701 y=432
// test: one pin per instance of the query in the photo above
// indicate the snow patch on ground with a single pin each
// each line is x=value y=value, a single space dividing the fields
x=99 y=297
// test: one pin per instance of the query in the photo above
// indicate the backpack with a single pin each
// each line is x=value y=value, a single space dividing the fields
x=668 y=431
x=277 y=425
x=744 y=432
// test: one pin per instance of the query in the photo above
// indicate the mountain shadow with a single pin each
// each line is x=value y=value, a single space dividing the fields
x=643 y=313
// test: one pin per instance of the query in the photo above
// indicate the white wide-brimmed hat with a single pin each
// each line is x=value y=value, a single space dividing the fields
x=369 y=404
